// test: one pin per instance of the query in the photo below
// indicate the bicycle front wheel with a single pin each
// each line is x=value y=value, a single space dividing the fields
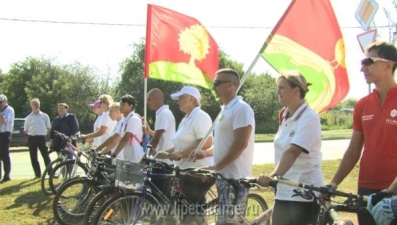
x=98 y=200
x=64 y=171
x=72 y=200
x=256 y=206
x=127 y=208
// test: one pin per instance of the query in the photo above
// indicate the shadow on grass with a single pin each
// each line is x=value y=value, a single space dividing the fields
x=27 y=195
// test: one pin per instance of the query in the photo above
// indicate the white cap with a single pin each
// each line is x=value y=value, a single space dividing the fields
x=187 y=90
x=3 y=98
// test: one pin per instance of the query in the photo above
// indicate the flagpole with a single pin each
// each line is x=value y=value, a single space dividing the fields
x=144 y=100
x=242 y=80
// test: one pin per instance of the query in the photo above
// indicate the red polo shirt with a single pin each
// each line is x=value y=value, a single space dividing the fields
x=378 y=165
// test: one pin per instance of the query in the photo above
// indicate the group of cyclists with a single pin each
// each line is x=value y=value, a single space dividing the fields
x=118 y=131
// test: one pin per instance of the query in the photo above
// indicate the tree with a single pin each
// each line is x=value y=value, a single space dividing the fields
x=74 y=84
x=259 y=91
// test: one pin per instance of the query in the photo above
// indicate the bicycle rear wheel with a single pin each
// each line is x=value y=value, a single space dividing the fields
x=127 y=208
x=44 y=182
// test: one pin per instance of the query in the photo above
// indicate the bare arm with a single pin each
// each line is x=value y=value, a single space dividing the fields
x=241 y=137
x=105 y=143
x=287 y=160
x=393 y=186
x=112 y=143
x=156 y=138
x=97 y=133
x=186 y=152
x=350 y=158
x=123 y=142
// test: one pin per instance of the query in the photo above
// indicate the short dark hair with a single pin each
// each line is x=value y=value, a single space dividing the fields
x=230 y=72
x=64 y=105
x=128 y=99
x=385 y=50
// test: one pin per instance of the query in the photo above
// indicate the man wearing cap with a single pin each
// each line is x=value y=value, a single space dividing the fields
x=6 y=126
x=233 y=152
x=37 y=125
x=164 y=126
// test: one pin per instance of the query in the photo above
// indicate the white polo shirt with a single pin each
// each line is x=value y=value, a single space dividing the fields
x=304 y=130
x=97 y=125
x=109 y=124
x=165 y=120
x=191 y=128
x=8 y=115
x=234 y=115
x=133 y=151
x=37 y=124
x=118 y=129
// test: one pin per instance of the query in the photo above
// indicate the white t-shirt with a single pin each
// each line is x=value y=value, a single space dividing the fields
x=118 y=129
x=192 y=128
x=236 y=114
x=304 y=130
x=97 y=124
x=165 y=120
x=109 y=124
x=133 y=151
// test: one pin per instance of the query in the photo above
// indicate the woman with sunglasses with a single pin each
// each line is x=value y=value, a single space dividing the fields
x=106 y=123
x=375 y=121
x=297 y=152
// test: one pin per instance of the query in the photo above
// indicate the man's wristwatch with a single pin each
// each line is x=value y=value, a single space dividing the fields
x=114 y=155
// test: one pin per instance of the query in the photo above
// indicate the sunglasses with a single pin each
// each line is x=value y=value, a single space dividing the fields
x=219 y=82
x=371 y=60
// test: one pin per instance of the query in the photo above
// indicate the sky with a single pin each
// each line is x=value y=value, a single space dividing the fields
x=239 y=26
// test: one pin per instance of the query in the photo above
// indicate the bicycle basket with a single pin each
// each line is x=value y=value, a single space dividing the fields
x=195 y=187
x=129 y=175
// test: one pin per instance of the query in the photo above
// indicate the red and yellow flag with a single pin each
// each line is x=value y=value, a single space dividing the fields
x=179 y=48
x=308 y=38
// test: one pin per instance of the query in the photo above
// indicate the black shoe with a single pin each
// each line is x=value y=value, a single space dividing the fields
x=5 y=179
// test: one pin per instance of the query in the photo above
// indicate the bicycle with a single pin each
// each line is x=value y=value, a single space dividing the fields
x=142 y=202
x=70 y=168
x=64 y=144
x=328 y=210
x=73 y=197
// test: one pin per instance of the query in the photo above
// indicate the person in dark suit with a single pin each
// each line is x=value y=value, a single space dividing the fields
x=65 y=123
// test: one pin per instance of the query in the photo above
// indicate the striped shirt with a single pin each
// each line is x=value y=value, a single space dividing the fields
x=37 y=124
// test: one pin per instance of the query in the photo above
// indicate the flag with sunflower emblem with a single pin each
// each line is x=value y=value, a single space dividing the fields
x=179 y=48
x=308 y=38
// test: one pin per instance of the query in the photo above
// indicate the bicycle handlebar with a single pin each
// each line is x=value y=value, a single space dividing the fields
x=321 y=189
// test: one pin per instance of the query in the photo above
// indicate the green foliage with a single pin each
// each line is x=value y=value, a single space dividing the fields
x=349 y=104
x=335 y=120
x=258 y=90
x=74 y=84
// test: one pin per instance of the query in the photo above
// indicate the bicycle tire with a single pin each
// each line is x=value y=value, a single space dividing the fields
x=44 y=181
x=256 y=209
x=99 y=199
x=73 y=213
x=63 y=172
x=142 y=207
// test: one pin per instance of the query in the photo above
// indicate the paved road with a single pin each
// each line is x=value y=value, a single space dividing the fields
x=332 y=149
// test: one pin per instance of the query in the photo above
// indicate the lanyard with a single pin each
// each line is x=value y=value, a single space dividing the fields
x=4 y=108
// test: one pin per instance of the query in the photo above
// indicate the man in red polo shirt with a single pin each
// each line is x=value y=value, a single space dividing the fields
x=374 y=125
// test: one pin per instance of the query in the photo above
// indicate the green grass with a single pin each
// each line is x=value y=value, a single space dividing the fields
x=22 y=201
x=326 y=135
